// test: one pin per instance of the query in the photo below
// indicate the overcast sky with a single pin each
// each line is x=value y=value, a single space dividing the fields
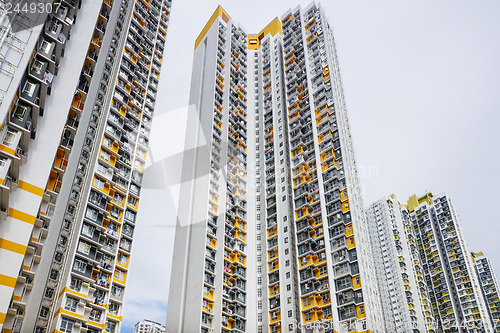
x=422 y=85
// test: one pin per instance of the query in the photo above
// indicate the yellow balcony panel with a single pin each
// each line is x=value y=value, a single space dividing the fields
x=351 y=243
x=275 y=316
x=275 y=289
x=356 y=282
x=343 y=195
x=305 y=261
x=326 y=155
x=345 y=206
x=348 y=230
x=360 y=311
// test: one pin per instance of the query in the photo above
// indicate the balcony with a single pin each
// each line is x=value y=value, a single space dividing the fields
x=21 y=115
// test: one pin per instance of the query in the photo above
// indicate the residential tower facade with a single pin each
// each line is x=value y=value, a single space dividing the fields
x=272 y=236
x=76 y=108
x=489 y=286
x=424 y=267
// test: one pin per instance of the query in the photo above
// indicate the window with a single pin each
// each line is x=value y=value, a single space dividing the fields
x=110 y=327
x=116 y=291
x=118 y=198
x=53 y=274
x=44 y=312
x=9 y=137
x=49 y=293
x=115 y=212
x=105 y=156
x=132 y=201
x=84 y=247
x=20 y=112
x=130 y=216
x=95 y=315
x=139 y=164
x=119 y=275
x=114 y=308
x=37 y=66
x=88 y=230
x=66 y=325
x=71 y=304
x=98 y=183
x=122 y=259
x=45 y=46
x=76 y=284
x=29 y=88
x=134 y=189
x=80 y=265
x=91 y=213
x=58 y=257
x=63 y=240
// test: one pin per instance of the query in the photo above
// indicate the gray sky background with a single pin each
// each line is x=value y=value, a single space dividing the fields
x=422 y=85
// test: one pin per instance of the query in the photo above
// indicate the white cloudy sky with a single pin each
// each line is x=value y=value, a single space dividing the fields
x=422 y=86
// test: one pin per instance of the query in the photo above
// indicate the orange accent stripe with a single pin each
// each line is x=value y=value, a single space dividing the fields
x=7 y=149
x=31 y=188
x=21 y=216
x=12 y=246
x=7 y=281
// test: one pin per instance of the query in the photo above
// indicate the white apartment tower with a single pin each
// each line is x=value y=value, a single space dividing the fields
x=405 y=301
x=78 y=83
x=453 y=284
x=272 y=235
x=149 y=326
x=490 y=287
x=426 y=276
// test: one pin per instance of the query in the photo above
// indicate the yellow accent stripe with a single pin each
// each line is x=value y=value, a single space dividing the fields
x=67 y=290
x=21 y=216
x=13 y=247
x=17 y=298
x=2 y=318
x=7 y=149
x=114 y=317
x=7 y=281
x=68 y=313
x=93 y=323
x=31 y=188
x=219 y=12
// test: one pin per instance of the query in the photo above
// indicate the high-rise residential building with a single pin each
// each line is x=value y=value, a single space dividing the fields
x=489 y=286
x=149 y=326
x=78 y=83
x=424 y=267
x=272 y=234
x=453 y=284
x=405 y=300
